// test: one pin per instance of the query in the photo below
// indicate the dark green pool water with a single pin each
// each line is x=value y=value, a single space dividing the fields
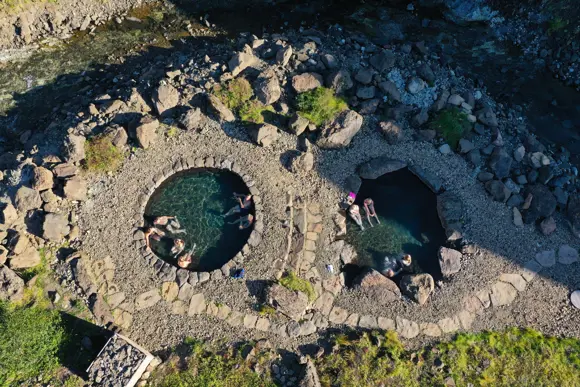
x=407 y=210
x=199 y=198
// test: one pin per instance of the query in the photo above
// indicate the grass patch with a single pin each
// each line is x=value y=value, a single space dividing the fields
x=30 y=339
x=235 y=94
x=319 y=105
x=514 y=358
x=451 y=124
x=293 y=282
x=266 y=310
x=253 y=112
x=206 y=368
x=101 y=155
x=17 y=5
x=172 y=132
x=556 y=24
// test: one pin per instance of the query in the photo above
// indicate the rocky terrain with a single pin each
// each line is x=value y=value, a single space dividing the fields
x=508 y=201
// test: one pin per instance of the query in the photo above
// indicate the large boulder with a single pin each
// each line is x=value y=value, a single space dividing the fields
x=500 y=163
x=307 y=81
x=303 y=163
x=297 y=124
x=376 y=286
x=392 y=131
x=266 y=135
x=383 y=61
x=75 y=189
x=487 y=117
x=391 y=90
x=241 y=61
x=192 y=119
x=74 y=148
x=146 y=131
x=28 y=258
x=8 y=215
x=498 y=191
x=65 y=170
x=221 y=111
x=543 y=203
x=288 y=302
x=339 y=81
x=283 y=55
x=11 y=285
x=42 y=179
x=449 y=261
x=166 y=97
x=267 y=88
x=27 y=199
x=339 y=132
x=418 y=287
x=451 y=212
x=379 y=166
x=55 y=227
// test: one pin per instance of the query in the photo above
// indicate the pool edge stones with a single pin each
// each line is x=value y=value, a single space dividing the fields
x=166 y=272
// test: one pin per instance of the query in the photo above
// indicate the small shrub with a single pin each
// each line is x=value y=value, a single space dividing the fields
x=172 y=132
x=452 y=125
x=101 y=155
x=253 y=112
x=556 y=24
x=266 y=310
x=319 y=105
x=235 y=94
x=293 y=282
x=30 y=338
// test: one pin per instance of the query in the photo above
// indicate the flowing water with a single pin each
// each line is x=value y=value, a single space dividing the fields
x=198 y=199
x=409 y=224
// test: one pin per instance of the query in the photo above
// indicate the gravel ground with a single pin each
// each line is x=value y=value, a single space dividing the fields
x=502 y=248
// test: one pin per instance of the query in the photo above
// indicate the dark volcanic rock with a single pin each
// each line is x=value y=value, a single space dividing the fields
x=543 y=203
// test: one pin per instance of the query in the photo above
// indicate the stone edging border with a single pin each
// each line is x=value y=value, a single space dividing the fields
x=169 y=273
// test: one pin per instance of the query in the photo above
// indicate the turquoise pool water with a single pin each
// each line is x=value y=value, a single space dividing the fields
x=199 y=198
x=407 y=210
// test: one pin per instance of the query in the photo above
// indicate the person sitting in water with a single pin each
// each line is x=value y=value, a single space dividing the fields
x=185 y=260
x=170 y=223
x=394 y=266
x=370 y=211
x=153 y=233
x=354 y=213
x=178 y=246
x=245 y=202
x=245 y=221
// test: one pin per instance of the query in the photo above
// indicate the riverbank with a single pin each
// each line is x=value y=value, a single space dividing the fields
x=23 y=22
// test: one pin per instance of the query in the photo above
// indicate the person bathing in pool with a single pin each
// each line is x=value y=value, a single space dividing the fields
x=245 y=202
x=245 y=221
x=185 y=260
x=370 y=211
x=178 y=246
x=153 y=233
x=354 y=213
x=392 y=267
x=170 y=223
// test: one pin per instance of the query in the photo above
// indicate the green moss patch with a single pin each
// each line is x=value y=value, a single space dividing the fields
x=451 y=124
x=319 y=105
x=293 y=282
x=101 y=155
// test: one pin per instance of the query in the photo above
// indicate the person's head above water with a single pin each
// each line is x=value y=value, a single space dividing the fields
x=368 y=201
x=179 y=242
x=406 y=259
x=389 y=273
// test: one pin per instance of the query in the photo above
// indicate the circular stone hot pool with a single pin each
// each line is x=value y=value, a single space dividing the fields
x=199 y=198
